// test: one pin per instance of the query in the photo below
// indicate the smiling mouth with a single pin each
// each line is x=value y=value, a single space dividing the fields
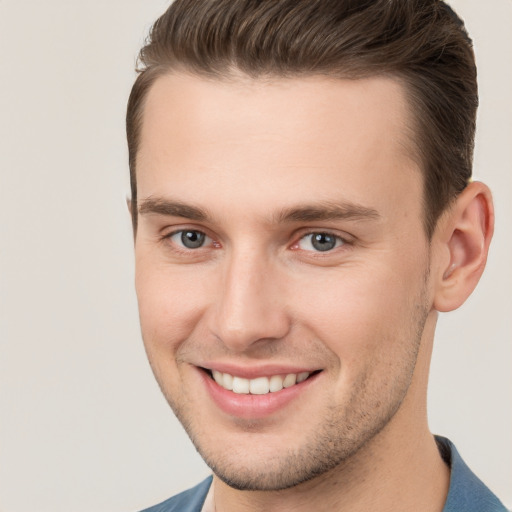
x=259 y=385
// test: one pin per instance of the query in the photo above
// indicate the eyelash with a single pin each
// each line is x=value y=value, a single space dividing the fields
x=339 y=241
x=182 y=248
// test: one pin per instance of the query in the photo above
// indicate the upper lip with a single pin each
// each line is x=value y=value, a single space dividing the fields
x=255 y=371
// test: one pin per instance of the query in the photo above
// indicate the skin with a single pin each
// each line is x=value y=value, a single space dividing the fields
x=258 y=166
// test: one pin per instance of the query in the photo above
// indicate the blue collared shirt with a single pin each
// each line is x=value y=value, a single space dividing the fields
x=467 y=493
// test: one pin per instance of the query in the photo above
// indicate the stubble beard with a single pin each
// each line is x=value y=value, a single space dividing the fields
x=341 y=436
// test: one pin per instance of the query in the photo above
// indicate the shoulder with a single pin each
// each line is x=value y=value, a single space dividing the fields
x=467 y=492
x=188 y=501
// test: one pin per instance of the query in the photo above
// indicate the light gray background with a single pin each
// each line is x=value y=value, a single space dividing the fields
x=82 y=424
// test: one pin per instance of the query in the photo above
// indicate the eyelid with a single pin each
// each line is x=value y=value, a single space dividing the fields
x=301 y=234
x=171 y=229
x=166 y=237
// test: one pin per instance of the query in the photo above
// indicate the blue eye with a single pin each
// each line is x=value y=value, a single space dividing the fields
x=321 y=242
x=190 y=238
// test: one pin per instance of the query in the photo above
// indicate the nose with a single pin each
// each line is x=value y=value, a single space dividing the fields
x=251 y=305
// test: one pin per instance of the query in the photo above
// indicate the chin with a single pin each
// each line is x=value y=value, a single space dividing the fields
x=243 y=465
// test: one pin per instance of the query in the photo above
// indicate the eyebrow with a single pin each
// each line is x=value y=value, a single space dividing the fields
x=303 y=213
x=161 y=206
x=326 y=211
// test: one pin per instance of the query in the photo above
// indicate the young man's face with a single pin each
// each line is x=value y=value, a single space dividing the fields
x=281 y=236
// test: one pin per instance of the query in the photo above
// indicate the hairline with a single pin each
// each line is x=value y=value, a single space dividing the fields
x=233 y=74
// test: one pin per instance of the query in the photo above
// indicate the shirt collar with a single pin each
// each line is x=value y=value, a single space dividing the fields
x=467 y=492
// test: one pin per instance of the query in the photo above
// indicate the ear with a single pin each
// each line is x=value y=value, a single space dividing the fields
x=463 y=236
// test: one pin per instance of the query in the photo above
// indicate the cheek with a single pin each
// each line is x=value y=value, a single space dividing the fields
x=360 y=315
x=371 y=325
x=171 y=302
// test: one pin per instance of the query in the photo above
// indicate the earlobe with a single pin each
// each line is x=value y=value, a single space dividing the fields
x=466 y=232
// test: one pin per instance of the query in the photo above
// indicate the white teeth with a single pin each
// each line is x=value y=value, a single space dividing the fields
x=302 y=376
x=260 y=385
x=276 y=383
x=227 y=381
x=217 y=377
x=290 y=380
x=240 y=385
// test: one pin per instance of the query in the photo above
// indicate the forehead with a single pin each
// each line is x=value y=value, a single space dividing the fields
x=258 y=136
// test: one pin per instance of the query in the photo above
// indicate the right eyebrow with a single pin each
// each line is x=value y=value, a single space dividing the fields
x=161 y=206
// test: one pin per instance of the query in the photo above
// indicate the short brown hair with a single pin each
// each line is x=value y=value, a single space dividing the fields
x=422 y=43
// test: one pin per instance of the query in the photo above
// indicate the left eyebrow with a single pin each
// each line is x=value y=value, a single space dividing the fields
x=326 y=211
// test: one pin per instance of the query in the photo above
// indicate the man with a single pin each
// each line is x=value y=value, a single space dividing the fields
x=302 y=210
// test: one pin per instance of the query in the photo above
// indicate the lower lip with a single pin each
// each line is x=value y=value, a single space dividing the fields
x=254 y=406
